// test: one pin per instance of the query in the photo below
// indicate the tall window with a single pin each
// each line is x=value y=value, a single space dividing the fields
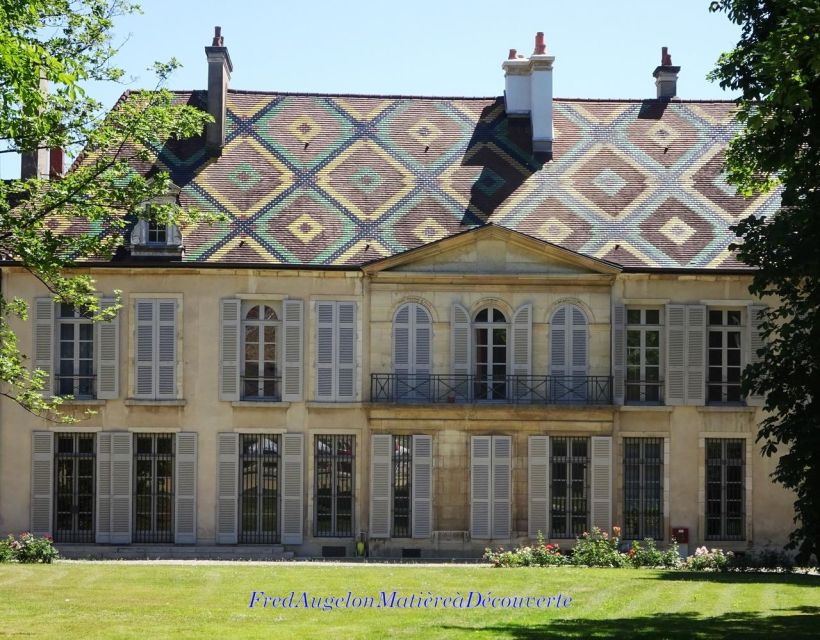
x=569 y=486
x=334 y=464
x=643 y=355
x=725 y=329
x=725 y=489
x=153 y=487
x=260 y=379
x=643 y=488
x=402 y=485
x=491 y=331
x=74 y=487
x=259 y=488
x=76 y=370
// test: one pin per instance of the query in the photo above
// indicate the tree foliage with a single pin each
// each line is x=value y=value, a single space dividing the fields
x=49 y=50
x=776 y=68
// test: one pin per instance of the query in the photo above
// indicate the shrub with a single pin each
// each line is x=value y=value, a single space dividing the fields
x=539 y=555
x=598 y=549
x=763 y=558
x=31 y=549
x=7 y=552
x=649 y=555
x=709 y=560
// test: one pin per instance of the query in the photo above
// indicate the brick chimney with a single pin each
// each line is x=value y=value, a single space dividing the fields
x=36 y=163
x=528 y=92
x=219 y=75
x=666 y=76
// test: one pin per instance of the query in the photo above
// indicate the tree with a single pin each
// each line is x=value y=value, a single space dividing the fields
x=776 y=68
x=48 y=50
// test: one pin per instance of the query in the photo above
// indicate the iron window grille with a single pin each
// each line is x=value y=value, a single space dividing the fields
x=154 y=487
x=643 y=356
x=569 y=486
x=402 y=486
x=725 y=489
x=643 y=488
x=725 y=344
x=259 y=488
x=334 y=461
x=75 y=370
x=74 y=487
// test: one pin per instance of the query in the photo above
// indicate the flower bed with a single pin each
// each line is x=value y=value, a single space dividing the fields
x=28 y=548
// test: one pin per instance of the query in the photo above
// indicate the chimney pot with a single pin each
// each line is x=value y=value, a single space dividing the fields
x=57 y=163
x=218 y=40
x=513 y=54
x=540 y=45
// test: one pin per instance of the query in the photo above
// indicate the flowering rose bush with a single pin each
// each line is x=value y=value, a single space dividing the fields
x=538 y=555
x=709 y=560
x=28 y=548
x=598 y=549
x=7 y=551
x=648 y=555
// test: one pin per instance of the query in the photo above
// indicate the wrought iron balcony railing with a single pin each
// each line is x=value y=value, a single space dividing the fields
x=643 y=392
x=513 y=389
x=261 y=388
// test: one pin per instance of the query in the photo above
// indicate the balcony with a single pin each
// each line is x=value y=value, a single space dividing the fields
x=441 y=389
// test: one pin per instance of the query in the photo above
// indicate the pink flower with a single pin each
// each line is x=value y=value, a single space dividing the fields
x=616 y=531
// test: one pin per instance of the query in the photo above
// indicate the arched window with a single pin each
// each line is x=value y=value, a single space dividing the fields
x=412 y=358
x=569 y=354
x=490 y=331
x=260 y=375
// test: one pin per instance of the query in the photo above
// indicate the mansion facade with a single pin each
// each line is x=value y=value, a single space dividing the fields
x=433 y=324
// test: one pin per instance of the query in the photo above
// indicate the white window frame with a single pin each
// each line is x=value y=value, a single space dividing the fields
x=724 y=329
x=76 y=321
x=489 y=382
x=260 y=323
x=643 y=328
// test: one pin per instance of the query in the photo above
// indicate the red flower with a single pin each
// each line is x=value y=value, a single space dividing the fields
x=631 y=553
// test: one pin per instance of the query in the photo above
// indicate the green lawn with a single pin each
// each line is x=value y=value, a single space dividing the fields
x=115 y=600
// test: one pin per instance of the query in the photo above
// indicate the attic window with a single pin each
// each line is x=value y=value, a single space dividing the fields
x=155 y=239
x=157 y=233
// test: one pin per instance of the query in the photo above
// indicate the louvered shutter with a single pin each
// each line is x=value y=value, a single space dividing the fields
x=601 y=511
x=696 y=354
x=144 y=349
x=42 y=474
x=293 y=367
x=381 y=465
x=538 y=486
x=579 y=359
x=108 y=354
x=618 y=352
x=522 y=350
x=755 y=342
x=292 y=487
x=167 y=348
x=460 y=349
x=402 y=349
x=121 y=460
x=346 y=356
x=44 y=341
x=229 y=349
x=227 y=488
x=675 y=354
x=480 y=450
x=422 y=486
x=502 y=487
x=422 y=350
x=103 y=488
x=185 y=489
x=559 y=366
x=325 y=360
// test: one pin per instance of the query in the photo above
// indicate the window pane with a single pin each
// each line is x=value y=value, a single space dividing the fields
x=633 y=316
x=715 y=317
x=653 y=316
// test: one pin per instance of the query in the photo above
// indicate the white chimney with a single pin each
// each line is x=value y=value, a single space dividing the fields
x=219 y=75
x=528 y=92
x=666 y=76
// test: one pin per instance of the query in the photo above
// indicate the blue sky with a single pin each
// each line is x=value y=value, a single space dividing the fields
x=603 y=48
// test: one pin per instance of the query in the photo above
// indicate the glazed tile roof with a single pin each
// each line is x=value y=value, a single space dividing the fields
x=345 y=180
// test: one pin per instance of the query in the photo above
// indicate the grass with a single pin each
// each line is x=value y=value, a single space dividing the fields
x=116 y=600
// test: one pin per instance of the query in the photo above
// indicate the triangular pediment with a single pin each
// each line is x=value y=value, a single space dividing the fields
x=492 y=249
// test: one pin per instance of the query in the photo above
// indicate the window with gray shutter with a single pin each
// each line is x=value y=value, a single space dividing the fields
x=522 y=350
x=227 y=480
x=538 y=485
x=601 y=511
x=121 y=486
x=229 y=346
x=460 y=351
x=336 y=351
x=156 y=348
x=755 y=342
x=42 y=463
x=569 y=357
x=185 y=489
x=293 y=455
x=43 y=337
x=422 y=486
x=103 y=488
x=618 y=352
x=108 y=354
x=491 y=487
x=412 y=338
x=381 y=461
x=293 y=359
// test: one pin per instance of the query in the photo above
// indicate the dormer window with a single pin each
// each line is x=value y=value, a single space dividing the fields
x=157 y=233
x=156 y=239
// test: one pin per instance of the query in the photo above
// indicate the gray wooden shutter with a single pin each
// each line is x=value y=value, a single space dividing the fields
x=346 y=354
x=521 y=359
x=185 y=489
x=44 y=341
x=108 y=354
x=601 y=511
x=422 y=486
x=618 y=353
x=227 y=488
x=502 y=487
x=167 y=348
x=538 y=484
x=381 y=465
x=174 y=236
x=755 y=342
x=480 y=451
x=293 y=367
x=144 y=349
x=460 y=349
x=229 y=349
x=696 y=354
x=103 y=488
x=675 y=354
x=559 y=365
x=402 y=349
x=325 y=356
x=579 y=362
x=422 y=347
x=42 y=482
x=292 y=487
x=121 y=460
